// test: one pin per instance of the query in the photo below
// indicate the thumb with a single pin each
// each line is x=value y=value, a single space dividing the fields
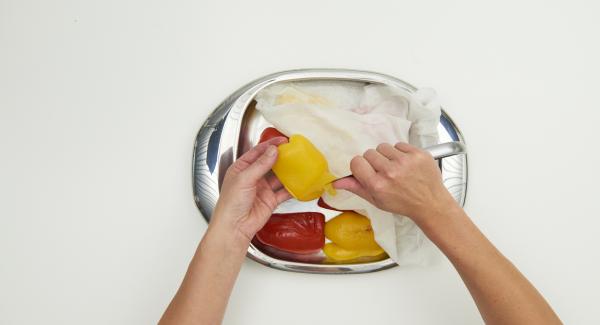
x=261 y=166
x=351 y=184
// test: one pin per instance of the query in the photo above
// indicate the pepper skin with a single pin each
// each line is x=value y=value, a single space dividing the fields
x=302 y=169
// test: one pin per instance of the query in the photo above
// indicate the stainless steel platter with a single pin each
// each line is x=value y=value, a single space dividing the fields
x=235 y=126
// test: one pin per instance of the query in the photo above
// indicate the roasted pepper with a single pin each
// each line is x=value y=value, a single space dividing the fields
x=300 y=232
x=352 y=237
x=270 y=133
x=338 y=253
x=302 y=169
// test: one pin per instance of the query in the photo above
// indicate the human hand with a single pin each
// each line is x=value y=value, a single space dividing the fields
x=401 y=179
x=249 y=193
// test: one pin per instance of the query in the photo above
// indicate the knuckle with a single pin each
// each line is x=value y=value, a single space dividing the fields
x=415 y=156
x=232 y=171
x=391 y=172
x=423 y=155
x=263 y=160
x=377 y=185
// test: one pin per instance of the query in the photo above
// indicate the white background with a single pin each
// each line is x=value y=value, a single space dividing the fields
x=100 y=102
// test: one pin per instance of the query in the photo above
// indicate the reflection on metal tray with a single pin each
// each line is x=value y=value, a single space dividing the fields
x=235 y=126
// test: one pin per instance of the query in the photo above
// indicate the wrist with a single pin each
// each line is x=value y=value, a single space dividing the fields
x=228 y=237
x=437 y=214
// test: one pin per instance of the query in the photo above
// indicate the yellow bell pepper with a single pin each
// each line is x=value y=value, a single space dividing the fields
x=302 y=169
x=352 y=237
x=338 y=253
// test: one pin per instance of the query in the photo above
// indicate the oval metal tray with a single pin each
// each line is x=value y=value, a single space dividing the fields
x=234 y=127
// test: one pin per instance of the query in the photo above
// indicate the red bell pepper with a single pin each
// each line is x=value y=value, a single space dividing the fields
x=270 y=133
x=324 y=205
x=301 y=233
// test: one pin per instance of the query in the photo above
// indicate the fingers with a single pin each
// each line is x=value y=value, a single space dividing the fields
x=361 y=169
x=351 y=184
x=261 y=166
x=388 y=151
x=282 y=195
x=376 y=159
x=253 y=154
x=276 y=141
x=274 y=182
x=346 y=183
x=405 y=147
x=364 y=175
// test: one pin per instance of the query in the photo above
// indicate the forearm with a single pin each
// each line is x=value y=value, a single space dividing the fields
x=205 y=290
x=247 y=199
x=502 y=294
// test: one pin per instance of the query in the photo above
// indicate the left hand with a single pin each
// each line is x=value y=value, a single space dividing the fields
x=249 y=193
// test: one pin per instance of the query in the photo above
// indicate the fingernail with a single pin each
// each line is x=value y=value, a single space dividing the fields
x=271 y=151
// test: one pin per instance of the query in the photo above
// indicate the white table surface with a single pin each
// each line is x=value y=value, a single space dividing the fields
x=100 y=102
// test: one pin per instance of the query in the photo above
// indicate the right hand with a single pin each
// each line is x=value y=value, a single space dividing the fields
x=401 y=179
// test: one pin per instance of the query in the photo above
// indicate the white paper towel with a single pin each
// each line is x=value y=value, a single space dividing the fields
x=344 y=119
